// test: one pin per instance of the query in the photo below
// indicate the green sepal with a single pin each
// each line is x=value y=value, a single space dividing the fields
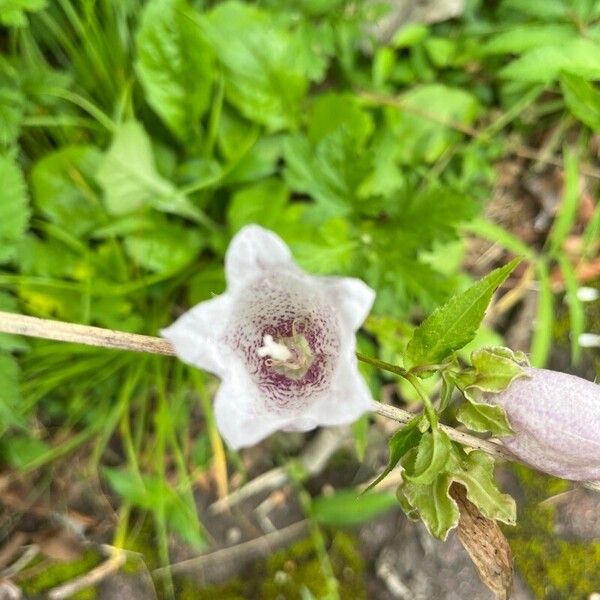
x=431 y=458
x=494 y=369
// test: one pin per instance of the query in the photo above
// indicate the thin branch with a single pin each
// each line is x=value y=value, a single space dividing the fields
x=83 y=334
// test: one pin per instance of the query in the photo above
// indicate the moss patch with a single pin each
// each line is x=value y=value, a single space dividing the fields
x=554 y=568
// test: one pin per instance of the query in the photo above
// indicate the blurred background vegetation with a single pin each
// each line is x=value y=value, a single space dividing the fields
x=381 y=140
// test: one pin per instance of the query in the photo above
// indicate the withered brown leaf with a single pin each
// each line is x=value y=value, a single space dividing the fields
x=486 y=544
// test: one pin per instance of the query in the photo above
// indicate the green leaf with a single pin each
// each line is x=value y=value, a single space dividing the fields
x=520 y=39
x=433 y=503
x=454 y=324
x=569 y=206
x=164 y=247
x=130 y=180
x=12 y=12
x=399 y=444
x=544 y=321
x=62 y=191
x=21 y=450
x=11 y=114
x=582 y=99
x=431 y=458
x=425 y=121
x=261 y=203
x=544 y=65
x=174 y=65
x=264 y=79
x=476 y=472
x=14 y=207
x=345 y=507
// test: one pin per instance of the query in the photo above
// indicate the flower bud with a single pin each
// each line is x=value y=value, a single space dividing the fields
x=556 y=418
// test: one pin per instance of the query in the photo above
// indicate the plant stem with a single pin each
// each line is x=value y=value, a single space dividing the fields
x=380 y=364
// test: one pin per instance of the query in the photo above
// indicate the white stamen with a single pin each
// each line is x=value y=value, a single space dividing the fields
x=271 y=348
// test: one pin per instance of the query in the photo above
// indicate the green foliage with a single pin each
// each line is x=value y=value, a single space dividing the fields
x=345 y=507
x=12 y=12
x=454 y=325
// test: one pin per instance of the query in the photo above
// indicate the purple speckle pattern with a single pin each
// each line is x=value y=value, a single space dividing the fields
x=282 y=303
x=556 y=418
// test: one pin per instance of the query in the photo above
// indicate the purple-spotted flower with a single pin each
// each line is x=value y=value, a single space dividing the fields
x=556 y=418
x=282 y=342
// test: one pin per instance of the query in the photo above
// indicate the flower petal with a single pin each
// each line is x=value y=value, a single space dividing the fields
x=352 y=297
x=241 y=419
x=253 y=250
x=347 y=399
x=196 y=335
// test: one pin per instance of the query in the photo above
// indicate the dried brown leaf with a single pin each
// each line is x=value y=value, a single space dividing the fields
x=486 y=544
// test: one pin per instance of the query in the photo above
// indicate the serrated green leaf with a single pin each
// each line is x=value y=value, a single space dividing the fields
x=520 y=39
x=128 y=175
x=475 y=471
x=543 y=65
x=399 y=444
x=431 y=458
x=582 y=99
x=174 y=65
x=62 y=191
x=454 y=324
x=14 y=207
x=436 y=508
x=496 y=367
x=264 y=79
x=344 y=507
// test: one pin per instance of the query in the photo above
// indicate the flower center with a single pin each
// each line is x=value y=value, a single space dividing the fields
x=289 y=356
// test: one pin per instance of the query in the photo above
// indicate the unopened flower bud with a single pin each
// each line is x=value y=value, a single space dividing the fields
x=556 y=418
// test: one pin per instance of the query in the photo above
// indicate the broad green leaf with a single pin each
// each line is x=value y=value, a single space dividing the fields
x=520 y=39
x=567 y=213
x=128 y=175
x=62 y=191
x=12 y=12
x=479 y=416
x=454 y=324
x=261 y=203
x=174 y=65
x=345 y=507
x=577 y=317
x=424 y=122
x=399 y=444
x=544 y=321
x=545 y=64
x=582 y=99
x=11 y=114
x=476 y=472
x=264 y=79
x=14 y=207
x=165 y=247
x=433 y=503
x=330 y=171
x=432 y=456
x=543 y=10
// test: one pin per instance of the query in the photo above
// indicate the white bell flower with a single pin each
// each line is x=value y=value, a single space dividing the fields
x=282 y=342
